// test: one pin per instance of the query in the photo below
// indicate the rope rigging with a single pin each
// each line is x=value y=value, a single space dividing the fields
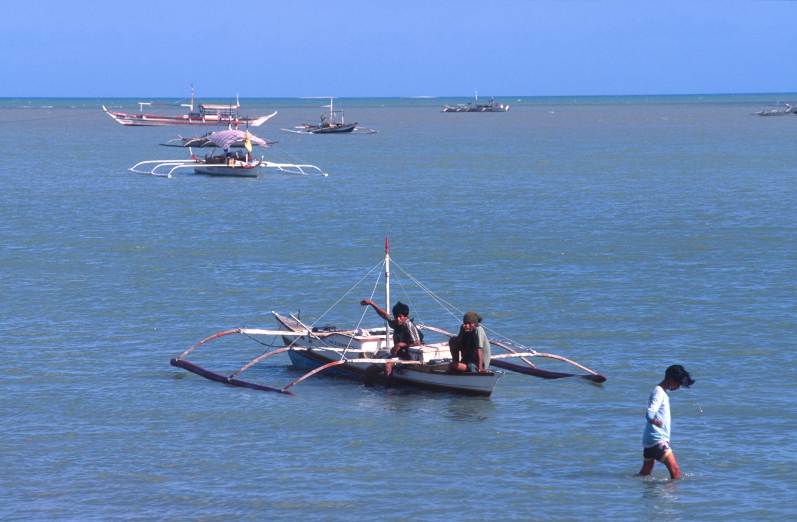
x=450 y=309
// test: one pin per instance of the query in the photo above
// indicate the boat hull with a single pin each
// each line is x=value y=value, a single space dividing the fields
x=147 y=120
x=236 y=171
x=478 y=108
x=429 y=376
x=479 y=384
x=153 y=120
x=334 y=129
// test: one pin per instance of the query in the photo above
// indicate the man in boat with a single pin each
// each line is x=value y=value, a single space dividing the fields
x=405 y=335
x=470 y=349
x=656 y=437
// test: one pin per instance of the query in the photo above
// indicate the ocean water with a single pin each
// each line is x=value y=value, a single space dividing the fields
x=625 y=233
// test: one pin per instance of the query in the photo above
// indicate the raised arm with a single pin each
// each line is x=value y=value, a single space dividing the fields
x=384 y=315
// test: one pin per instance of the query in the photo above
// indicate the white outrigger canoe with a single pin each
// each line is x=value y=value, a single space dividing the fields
x=233 y=164
x=352 y=352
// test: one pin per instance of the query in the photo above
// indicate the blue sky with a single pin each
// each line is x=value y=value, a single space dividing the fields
x=385 y=48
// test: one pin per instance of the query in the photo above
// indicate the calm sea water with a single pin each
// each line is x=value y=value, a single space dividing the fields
x=625 y=233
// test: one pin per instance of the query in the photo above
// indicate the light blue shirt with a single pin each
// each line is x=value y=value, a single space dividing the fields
x=658 y=408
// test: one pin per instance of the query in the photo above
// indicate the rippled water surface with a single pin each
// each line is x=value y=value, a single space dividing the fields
x=625 y=233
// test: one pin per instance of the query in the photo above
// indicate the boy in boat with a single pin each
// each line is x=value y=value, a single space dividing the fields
x=656 y=437
x=470 y=349
x=405 y=335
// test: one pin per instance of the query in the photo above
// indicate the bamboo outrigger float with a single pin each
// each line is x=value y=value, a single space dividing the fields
x=352 y=352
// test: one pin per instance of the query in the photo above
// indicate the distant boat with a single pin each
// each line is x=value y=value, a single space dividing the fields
x=329 y=126
x=790 y=109
x=205 y=114
x=468 y=107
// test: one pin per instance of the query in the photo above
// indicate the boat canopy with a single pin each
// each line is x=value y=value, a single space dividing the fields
x=226 y=138
x=221 y=110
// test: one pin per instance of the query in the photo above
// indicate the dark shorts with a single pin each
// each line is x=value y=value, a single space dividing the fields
x=658 y=452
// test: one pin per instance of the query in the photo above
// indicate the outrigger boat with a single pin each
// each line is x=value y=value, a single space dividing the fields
x=790 y=109
x=232 y=164
x=467 y=107
x=329 y=126
x=205 y=114
x=351 y=352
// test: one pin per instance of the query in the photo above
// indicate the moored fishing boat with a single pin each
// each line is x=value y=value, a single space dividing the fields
x=492 y=106
x=357 y=351
x=790 y=109
x=203 y=115
x=328 y=125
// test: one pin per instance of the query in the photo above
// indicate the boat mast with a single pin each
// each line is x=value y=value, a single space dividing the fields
x=191 y=105
x=387 y=292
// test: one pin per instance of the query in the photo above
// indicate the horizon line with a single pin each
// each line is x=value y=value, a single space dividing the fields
x=426 y=97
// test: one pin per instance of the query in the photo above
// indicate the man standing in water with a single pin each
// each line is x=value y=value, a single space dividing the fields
x=656 y=437
x=470 y=349
x=405 y=335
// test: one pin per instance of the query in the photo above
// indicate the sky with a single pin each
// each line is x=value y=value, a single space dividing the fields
x=387 y=48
